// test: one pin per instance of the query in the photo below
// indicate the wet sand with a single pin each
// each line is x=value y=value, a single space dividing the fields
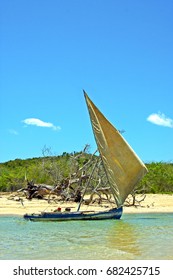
x=14 y=204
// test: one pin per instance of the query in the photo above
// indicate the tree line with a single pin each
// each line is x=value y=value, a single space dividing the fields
x=52 y=170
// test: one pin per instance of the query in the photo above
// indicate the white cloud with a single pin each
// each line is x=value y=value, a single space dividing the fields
x=160 y=119
x=38 y=122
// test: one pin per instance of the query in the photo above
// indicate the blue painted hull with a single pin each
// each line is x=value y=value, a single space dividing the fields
x=114 y=213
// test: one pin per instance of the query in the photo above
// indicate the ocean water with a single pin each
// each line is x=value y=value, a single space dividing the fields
x=134 y=237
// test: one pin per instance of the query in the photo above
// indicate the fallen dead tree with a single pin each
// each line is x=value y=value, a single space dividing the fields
x=86 y=178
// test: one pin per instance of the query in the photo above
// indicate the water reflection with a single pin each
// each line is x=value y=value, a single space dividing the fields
x=124 y=237
x=143 y=237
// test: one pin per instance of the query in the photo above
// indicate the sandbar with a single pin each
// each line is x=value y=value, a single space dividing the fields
x=14 y=204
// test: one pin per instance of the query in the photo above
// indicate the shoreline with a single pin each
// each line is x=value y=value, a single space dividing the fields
x=12 y=204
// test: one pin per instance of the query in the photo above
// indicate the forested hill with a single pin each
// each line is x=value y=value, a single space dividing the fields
x=53 y=169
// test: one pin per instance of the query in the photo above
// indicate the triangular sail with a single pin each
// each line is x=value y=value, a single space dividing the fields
x=123 y=167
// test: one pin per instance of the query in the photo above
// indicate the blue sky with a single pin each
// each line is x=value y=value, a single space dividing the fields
x=120 y=52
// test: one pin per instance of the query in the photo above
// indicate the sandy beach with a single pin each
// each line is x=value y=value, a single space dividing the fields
x=13 y=204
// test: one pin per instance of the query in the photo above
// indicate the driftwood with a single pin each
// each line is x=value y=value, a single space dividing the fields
x=87 y=179
x=39 y=191
x=133 y=201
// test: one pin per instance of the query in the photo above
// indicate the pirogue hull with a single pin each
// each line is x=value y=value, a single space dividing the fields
x=114 y=213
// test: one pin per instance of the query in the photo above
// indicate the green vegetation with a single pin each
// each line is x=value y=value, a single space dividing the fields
x=53 y=169
x=48 y=170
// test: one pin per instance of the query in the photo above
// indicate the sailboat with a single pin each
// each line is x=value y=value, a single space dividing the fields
x=123 y=168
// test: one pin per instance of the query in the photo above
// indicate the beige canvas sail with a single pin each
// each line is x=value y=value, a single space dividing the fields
x=123 y=167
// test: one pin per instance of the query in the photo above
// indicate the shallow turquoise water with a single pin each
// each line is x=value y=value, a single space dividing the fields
x=135 y=236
